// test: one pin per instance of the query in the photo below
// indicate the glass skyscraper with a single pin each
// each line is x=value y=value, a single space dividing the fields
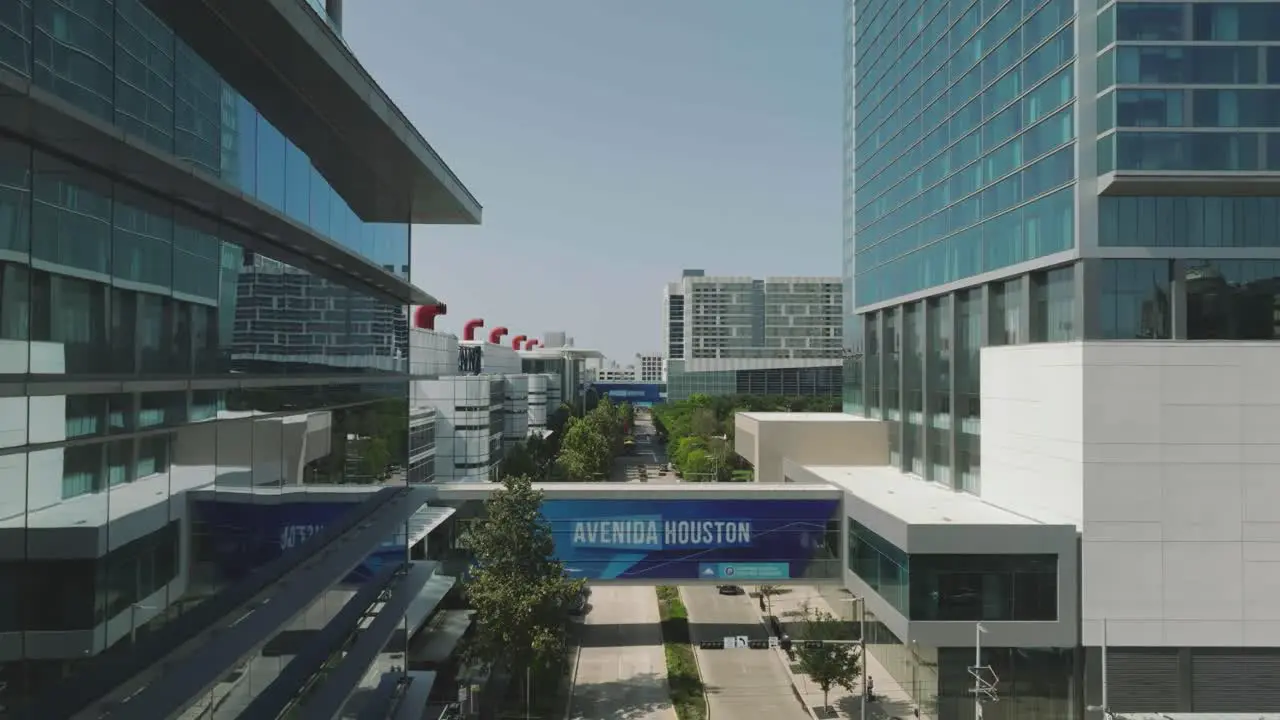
x=1038 y=171
x=203 y=293
x=1076 y=173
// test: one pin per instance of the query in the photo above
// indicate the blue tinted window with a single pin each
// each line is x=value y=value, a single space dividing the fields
x=144 y=65
x=1236 y=21
x=1236 y=108
x=1187 y=64
x=1150 y=21
x=297 y=184
x=1187 y=151
x=119 y=62
x=75 y=54
x=272 y=149
x=1107 y=27
x=941 y=145
x=1189 y=221
x=1134 y=301
x=1106 y=69
x=15 y=36
x=1106 y=154
x=1149 y=108
x=1106 y=111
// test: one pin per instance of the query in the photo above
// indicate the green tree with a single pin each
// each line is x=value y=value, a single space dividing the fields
x=375 y=457
x=519 y=461
x=699 y=466
x=543 y=453
x=703 y=422
x=518 y=589
x=683 y=448
x=558 y=418
x=829 y=665
x=585 y=453
x=767 y=593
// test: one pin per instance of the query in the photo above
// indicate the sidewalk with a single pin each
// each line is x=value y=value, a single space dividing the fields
x=892 y=701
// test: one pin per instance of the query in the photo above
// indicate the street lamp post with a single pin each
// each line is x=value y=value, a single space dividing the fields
x=1105 y=706
x=978 y=689
x=861 y=604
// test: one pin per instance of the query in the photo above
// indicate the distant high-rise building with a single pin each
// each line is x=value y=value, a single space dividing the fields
x=649 y=367
x=741 y=335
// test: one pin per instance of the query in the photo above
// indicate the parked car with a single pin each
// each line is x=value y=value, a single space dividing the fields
x=730 y=590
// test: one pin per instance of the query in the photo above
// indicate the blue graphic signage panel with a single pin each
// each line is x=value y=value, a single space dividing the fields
x=634 y=393
x=240 y=536
x=746 y=540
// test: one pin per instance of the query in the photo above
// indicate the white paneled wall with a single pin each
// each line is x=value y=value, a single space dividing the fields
x=432 y=353
x=538 y=401
x=515 y=409
x=1174 y=451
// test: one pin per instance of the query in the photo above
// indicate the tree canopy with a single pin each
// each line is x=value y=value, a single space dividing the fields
x=829 y=665
x=519 y=591
x=699 y=431
x=591 y=442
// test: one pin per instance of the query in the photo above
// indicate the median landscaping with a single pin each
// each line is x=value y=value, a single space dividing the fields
x=687 y=693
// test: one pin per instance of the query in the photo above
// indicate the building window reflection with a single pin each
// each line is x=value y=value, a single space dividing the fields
x=1053 y=303
x=984 y=587
x=119 y=62
x=957 y=588
x=1134 y=302
x=1233 y=299
x=879 y=563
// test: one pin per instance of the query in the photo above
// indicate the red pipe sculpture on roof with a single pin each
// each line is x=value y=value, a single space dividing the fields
x=517 y=341
x=425 y=316
x=495 y=335
x=469 y=328
x=531 y=344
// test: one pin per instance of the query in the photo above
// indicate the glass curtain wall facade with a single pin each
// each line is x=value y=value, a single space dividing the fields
x=791 y=382
x=963 y=135
x=928 y=385
x=989 y=206
x=139 y=341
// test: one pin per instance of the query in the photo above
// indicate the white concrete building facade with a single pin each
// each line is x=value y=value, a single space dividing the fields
x=727 y=335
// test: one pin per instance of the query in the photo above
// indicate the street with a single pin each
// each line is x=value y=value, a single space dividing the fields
x=622 y=671
x=650 y=459
x=740 y=683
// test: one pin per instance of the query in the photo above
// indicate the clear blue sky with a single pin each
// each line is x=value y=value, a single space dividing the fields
x=612 y=143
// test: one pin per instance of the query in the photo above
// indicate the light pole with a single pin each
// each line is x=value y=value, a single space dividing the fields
x=977 y=670
x=1105 y=706
x=861 y=604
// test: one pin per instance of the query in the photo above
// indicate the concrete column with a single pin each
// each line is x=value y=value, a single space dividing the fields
x=1087 y=278
x=904 y=462
x=927 y=344
x=879 y=365
x=950 y=318
x=1178 y=299
x=1026 y=299
x=984 y=308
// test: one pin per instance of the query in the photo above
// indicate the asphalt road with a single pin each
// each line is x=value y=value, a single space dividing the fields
x=650 y=457
x=622 y=672
x=740 y=683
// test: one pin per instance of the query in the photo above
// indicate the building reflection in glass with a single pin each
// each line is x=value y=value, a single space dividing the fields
x=1233 y=299
x=150 y=361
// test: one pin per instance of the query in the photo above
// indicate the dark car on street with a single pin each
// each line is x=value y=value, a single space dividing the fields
x=730 y=590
